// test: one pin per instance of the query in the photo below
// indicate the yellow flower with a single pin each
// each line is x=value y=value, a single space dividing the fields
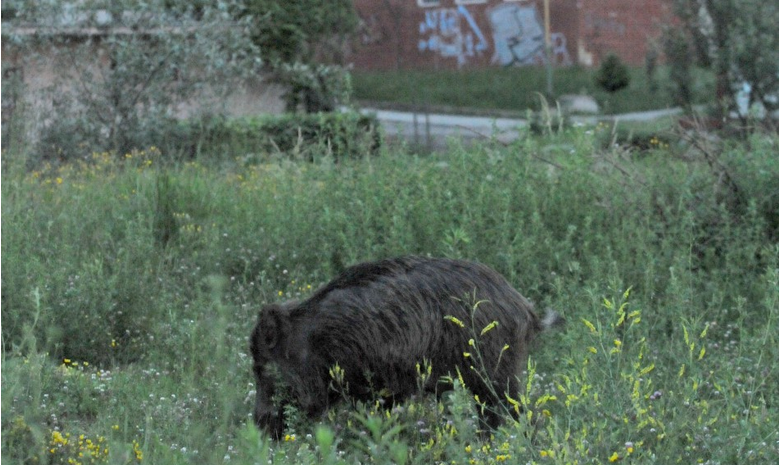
x=290 y=438
x=468 y=449
x=614 y=457
x=455 y=320
x=543 y=453
x=489 y=327
x=589 y=326
x=137 y=451
x=57 y=438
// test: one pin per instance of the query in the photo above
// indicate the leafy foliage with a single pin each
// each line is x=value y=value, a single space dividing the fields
x=739 y=39
x=613 y=74
x=304 y=41
x=129 y=69
x=302 y=30
x=317 y=87
x=296 y=136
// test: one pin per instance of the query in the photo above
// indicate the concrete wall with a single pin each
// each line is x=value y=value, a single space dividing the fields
x=257 y=96
x=449 y=34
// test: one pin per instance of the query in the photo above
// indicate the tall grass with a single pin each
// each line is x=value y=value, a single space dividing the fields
x=119 y=347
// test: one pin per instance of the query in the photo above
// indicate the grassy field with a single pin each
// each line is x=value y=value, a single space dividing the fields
x=130 y=287
x=516 y=89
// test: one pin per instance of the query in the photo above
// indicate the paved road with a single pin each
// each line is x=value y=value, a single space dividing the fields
x=433 y=130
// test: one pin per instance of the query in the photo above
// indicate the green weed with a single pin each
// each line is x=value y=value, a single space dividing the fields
x=117 y=349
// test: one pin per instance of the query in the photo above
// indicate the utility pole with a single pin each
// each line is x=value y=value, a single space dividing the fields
x=548 y=49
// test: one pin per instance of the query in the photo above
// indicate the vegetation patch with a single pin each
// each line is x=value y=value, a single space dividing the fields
x=131 y=283
x=339 y=135
x=516 y=89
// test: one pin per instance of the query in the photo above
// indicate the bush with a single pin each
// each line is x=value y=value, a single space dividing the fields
x=297 y=136
x=613 y=75
x=316 y=88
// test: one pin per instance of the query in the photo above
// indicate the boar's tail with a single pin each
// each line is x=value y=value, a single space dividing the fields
x=552 y=320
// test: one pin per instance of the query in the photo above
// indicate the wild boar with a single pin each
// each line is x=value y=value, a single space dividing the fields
x=378 y=320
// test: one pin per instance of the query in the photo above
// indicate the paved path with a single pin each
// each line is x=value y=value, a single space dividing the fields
x=631 y=116
x=434 y=129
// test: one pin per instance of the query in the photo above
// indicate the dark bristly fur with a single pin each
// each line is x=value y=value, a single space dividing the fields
x=379 y=320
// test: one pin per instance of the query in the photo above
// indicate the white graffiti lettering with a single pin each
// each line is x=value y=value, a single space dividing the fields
x=518 y=34
x=443 y=28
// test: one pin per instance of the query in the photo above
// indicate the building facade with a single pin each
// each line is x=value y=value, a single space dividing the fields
x=455 y=34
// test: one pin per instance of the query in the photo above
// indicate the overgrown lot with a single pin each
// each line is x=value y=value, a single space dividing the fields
x=130 y=285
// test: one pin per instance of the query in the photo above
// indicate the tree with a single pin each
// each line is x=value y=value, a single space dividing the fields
x=305 y=31
x=739 y=40
x=304 y=42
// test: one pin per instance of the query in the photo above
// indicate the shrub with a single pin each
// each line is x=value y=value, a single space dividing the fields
x=297 y=136
x=613 y=75
x=318 y=88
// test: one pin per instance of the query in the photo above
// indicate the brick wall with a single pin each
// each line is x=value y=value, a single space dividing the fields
x=453 y=34
x=624 y=27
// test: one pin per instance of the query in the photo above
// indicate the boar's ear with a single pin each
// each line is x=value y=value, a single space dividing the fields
x=552 y=320
x=270 y=325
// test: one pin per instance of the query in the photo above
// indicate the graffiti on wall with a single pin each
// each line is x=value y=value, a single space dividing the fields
x=452 y=33
x=517 y=33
